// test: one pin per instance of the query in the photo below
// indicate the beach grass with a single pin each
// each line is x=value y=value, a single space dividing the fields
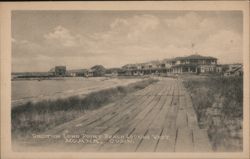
x=218 y=102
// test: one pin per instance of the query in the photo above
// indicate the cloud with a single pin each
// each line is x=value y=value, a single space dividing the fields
x=192 y=28
x=25 y=48
x=63 y=37
x=138 y=35
x=227 y=45
x=129 y=30
x=136 y=23
x=187 y=21
x=135 y=38
x=124 y=36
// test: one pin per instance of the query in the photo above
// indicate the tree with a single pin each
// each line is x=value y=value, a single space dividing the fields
x=98 y=70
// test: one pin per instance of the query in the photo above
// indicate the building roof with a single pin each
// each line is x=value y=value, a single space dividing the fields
x=238 y=68
x=52 y=70
x=185 y=65
x=129 y=65
x=192 y=57
x=113 y=69
x=164 y=61
x=155 y=62
x=62 y=67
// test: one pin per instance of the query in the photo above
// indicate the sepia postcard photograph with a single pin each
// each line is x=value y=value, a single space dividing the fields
x=125 y=80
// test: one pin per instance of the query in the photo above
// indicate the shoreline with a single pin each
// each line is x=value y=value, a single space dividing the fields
x=79 y=91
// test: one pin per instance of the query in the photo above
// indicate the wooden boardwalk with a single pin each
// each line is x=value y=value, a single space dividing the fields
x=159 y=118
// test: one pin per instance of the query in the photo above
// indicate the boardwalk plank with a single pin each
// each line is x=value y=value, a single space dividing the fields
x=184 y=141
x=155 y=129
x=128 y=128
x=169 y=126
x=136 y=121
x=181 y=121
x=124 y=118
x=141 y=129
x=107 y=116
x=167 y=144
x=104 y=139
x=149 y=145
x=201 y=141
x=99 y=112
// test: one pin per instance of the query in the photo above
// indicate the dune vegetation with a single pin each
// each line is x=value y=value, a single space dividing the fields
x=218 y=102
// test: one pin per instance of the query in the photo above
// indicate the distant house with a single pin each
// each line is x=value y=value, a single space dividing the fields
x=189 y=64
x=234 y=70
x=133 y=69
x=148 y=68
x=219 y=69
x=90 y=73
x=129 y=67
x=193 y=64
x=77 y=72
x=111 y=72
x=234 y=66
x=207 y=68
x=58 y=71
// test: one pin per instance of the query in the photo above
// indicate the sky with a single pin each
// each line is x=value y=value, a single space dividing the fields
x=81 y=39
